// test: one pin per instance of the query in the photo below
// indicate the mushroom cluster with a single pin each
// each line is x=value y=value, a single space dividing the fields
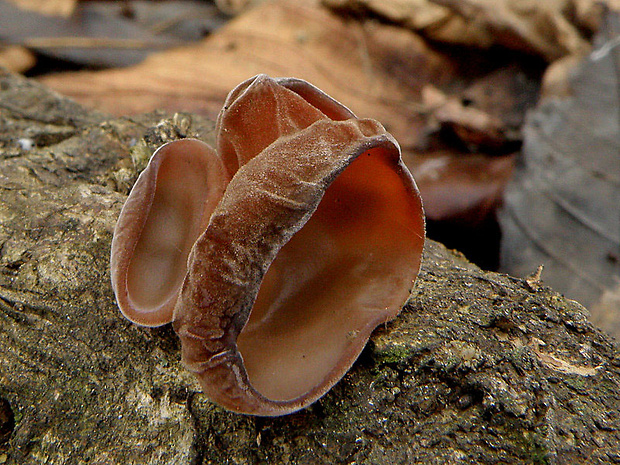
x=275 y=255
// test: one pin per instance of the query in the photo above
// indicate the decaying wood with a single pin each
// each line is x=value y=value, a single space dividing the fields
x=479 y=367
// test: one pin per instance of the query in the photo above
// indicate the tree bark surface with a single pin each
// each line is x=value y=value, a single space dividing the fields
x=478 y=368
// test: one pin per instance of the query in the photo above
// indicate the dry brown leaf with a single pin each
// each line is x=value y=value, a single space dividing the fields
x=551 y=29
x=556 y=80
x=16 y=59
x=434 y=21
x=469 y=187
x=532 y=26
x=474 y=127
x=589 y=13
x=89 y=38
x=377 y=70
x=561 y=209
x=235 y=7
x=64 y=8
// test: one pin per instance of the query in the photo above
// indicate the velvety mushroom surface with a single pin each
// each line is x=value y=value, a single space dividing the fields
x=280 y=253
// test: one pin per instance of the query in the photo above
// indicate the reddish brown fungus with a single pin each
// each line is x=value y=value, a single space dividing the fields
x=279 y=254
x=168 y=208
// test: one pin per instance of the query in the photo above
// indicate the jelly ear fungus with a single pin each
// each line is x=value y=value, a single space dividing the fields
x=167 y=209
x=277 y=256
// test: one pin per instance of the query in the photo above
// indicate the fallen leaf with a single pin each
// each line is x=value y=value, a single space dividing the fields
x=64 y=8
x=434 y=21
x=16 y=59
x=543 y=28
x=235 y=7
x=557 y=78
x=551 y=29
x=461 y=194
x=468 y=187
x=87 y=37
x=376 y=70
x=562 y=210
x=186 y=20
x=473 y=127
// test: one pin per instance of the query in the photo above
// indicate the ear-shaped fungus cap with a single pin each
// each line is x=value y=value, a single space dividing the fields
x=316 y=240
x=167 y=209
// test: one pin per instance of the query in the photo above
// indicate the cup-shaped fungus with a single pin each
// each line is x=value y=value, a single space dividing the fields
x=277 y=255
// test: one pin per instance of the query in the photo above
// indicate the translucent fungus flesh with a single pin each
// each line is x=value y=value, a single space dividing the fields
x=277 y=256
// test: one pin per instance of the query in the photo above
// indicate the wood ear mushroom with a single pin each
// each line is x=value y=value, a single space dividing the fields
x=275 y=255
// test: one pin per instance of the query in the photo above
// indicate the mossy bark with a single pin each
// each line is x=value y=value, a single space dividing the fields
x=478 y=368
